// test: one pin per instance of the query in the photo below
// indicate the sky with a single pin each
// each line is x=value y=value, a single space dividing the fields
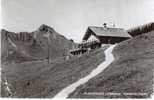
x=72 y=17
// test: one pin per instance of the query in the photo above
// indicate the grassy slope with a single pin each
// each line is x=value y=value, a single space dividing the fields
x=39 y=79
x=132 y=70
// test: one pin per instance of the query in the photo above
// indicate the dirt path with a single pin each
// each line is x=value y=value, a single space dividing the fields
x=109 y=58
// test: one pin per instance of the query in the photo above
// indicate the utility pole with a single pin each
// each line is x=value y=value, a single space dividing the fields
x=7 y=45
x=47 y=35
x=48 y=51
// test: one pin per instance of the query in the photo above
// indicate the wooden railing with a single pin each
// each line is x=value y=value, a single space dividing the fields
x=84 y=47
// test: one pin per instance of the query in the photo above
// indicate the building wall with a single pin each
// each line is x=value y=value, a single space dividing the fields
x=87 y=34
x=112 y=40
x=93 y=38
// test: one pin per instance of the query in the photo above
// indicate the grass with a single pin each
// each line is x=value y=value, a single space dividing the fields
x=39 y=79
x=131 y=72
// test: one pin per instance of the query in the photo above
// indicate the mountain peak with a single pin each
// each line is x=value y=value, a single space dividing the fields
x=46 y=28
x=3 y=31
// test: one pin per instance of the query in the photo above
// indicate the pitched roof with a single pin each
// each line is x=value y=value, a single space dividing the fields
x=115 y=32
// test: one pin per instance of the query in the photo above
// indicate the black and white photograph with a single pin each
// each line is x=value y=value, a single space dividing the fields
x=77 y=49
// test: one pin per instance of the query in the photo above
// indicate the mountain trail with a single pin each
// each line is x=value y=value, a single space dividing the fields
x=109 y=58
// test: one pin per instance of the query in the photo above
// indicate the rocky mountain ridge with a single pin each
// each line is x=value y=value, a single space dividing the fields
x=34 y=45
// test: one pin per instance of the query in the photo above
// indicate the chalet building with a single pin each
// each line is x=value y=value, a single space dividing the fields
x=106 y=35
x=96 y=36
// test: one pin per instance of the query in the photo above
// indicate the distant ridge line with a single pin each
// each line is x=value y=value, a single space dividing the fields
x=141 y=29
